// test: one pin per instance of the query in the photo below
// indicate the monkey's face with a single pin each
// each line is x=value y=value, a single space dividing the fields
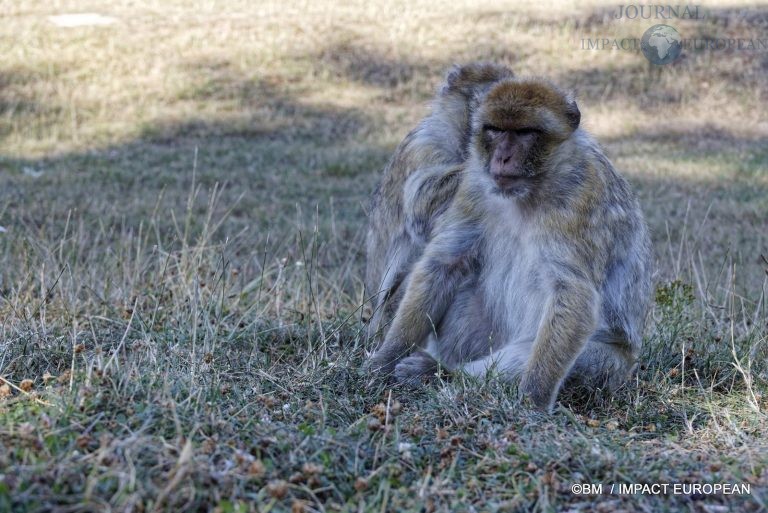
x=517 y=127
x=512 y=158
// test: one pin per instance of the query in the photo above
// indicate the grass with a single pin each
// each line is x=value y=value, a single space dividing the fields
x=183 y=195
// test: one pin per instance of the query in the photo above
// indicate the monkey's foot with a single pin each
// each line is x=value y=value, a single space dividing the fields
x=416 y=369
x=380 y=365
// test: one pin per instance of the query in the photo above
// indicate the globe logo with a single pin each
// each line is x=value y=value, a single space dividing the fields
x=661 y=44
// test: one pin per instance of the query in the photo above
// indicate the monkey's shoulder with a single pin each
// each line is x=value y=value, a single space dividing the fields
x=588 y=178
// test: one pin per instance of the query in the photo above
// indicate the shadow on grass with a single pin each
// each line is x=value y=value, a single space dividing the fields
x=273 y=150
x=370 y=66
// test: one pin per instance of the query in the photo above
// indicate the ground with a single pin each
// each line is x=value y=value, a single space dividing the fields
x=183 y=188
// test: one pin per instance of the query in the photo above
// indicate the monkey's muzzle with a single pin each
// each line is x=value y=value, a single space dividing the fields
x=512 y=184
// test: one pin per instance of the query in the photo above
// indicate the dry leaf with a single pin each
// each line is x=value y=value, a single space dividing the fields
x=361 y=484
x=277 y=489
x=257 y=468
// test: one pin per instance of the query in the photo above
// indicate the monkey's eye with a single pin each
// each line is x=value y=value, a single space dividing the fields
x=492 y=131
x=527 y=131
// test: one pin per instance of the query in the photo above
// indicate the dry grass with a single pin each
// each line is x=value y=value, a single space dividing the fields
x=183 y=196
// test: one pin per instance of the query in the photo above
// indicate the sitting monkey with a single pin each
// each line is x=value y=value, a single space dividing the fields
x=539 y=264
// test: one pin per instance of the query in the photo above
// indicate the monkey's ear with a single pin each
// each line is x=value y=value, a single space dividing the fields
x=451 y=79
x=572 y=112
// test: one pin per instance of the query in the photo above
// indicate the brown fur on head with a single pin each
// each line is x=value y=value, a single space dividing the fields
x=530 y=104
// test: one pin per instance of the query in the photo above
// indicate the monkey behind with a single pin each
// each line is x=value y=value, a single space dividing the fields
x=418 y=185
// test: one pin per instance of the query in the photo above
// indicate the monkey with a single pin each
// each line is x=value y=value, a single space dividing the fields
x=539 y=269
x=417 y=186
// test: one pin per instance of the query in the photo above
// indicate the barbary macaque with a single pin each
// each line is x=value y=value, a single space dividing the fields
x=540 y=266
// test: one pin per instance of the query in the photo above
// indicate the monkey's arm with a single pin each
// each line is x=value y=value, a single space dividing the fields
x=569 y=318
x=429 y=290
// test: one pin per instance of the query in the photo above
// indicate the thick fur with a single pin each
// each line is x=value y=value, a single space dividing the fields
x=418 y=184
x=549 y=281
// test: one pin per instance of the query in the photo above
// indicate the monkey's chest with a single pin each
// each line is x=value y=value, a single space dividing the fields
x=514 y=286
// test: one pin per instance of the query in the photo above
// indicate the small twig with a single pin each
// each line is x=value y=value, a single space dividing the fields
x=125 y=335
x=178 y=474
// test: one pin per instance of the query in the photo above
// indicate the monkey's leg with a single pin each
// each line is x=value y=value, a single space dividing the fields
x=464 y=334
x=509 y=361
x=569 y=319
x=606 y=361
